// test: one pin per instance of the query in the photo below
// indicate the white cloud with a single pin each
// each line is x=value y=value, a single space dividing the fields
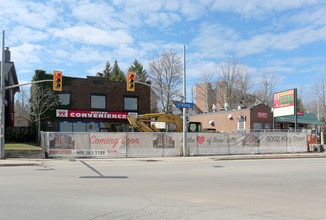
x=259 y=8
x=307 y=17
x=192 y=10
x=21 y=34
x=87 y=34
x=31 y=14
x=26 y=54
x=87 y=54
x=162 y=19
x=215 y=40
x=99 y=13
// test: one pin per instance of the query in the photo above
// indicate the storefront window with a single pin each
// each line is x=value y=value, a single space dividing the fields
x=98 y=101
x=130 y=104
x=66 y=126
x=79 y=127
x=64 y=99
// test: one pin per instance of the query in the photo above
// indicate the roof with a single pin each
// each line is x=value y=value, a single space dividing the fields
x=10 y=67
x=307 y=118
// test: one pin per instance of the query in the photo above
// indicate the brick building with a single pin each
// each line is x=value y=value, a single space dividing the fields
x=10 y=80
x=210 y=97
x=96 y=104
x=243 y=120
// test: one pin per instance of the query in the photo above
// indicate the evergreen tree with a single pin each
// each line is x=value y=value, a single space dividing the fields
x=107 y=73
x=141 y=74
x=117 y=74
x=300 y=106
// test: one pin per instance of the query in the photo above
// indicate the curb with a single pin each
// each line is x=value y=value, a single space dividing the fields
x=271 y=156
x=13 y=162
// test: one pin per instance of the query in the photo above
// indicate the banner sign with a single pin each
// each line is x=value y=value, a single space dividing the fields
x=140 y=144
x=64 y=113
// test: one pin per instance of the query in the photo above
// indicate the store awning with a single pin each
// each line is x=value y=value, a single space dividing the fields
x=306 y=118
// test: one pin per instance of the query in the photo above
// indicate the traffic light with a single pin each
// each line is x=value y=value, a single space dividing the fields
x=131 y=81
x=57 y=80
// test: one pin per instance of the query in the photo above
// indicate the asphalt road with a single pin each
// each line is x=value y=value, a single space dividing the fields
x=165 y=188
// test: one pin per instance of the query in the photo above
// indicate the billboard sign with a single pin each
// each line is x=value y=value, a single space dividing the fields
x=284 y=103
x=64 y=113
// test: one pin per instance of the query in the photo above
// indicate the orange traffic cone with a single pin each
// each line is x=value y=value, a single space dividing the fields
x=308 y=147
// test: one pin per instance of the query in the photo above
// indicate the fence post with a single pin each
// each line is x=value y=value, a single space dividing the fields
x=126 y=144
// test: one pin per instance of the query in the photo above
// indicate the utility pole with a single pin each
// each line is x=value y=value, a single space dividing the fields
x=184 y=145
x=2 y=107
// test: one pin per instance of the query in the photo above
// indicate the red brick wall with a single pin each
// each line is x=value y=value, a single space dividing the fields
x=221 y=120
x=81 y=90
x=255 y=118
x=201 y=96
x=223 y=123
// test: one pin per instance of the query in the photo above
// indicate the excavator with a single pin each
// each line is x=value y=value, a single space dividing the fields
x=144 y=123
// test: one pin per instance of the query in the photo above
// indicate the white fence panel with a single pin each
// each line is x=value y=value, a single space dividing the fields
x=243 y=143
x=140 y=144
x=273 y=142
x=192 y=144
x=297 y=142
x=121 y=144
x=152 y=144
x=112 y=143
x=212 y=143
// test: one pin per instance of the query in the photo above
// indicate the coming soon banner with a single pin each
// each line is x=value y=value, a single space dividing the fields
x=116 y=144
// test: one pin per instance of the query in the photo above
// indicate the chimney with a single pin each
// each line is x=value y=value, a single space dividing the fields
x=7 y=54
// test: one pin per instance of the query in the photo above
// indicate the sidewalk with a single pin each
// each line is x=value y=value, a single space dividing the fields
x=42 y=162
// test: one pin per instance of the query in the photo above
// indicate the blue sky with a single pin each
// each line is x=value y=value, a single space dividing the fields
x=284 y=37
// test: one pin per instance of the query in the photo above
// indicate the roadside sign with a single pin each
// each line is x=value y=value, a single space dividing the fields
x=184 y=105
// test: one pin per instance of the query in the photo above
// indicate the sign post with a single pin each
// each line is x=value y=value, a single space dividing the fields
x=2 y=106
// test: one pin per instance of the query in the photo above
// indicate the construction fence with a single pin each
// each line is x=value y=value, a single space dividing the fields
x=138 y=144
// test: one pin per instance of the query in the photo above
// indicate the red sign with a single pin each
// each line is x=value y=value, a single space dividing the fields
x=300 y=113
x=283 y=99
x=262 y=115
x=91 y=114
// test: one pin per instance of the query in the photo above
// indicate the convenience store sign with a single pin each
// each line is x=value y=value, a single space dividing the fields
x=64 y=113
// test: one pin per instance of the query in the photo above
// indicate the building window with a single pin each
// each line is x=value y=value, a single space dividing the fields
x=98 y=101
x=64 y=99
x=130 y=104
x=258 y=126
x=241 y=126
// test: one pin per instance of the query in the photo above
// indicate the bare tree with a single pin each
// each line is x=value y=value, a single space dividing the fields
x=166 y=75
x=22 y=105
x=42 y=99
x=234 y=84
x=320 y=91
x=266 y=86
